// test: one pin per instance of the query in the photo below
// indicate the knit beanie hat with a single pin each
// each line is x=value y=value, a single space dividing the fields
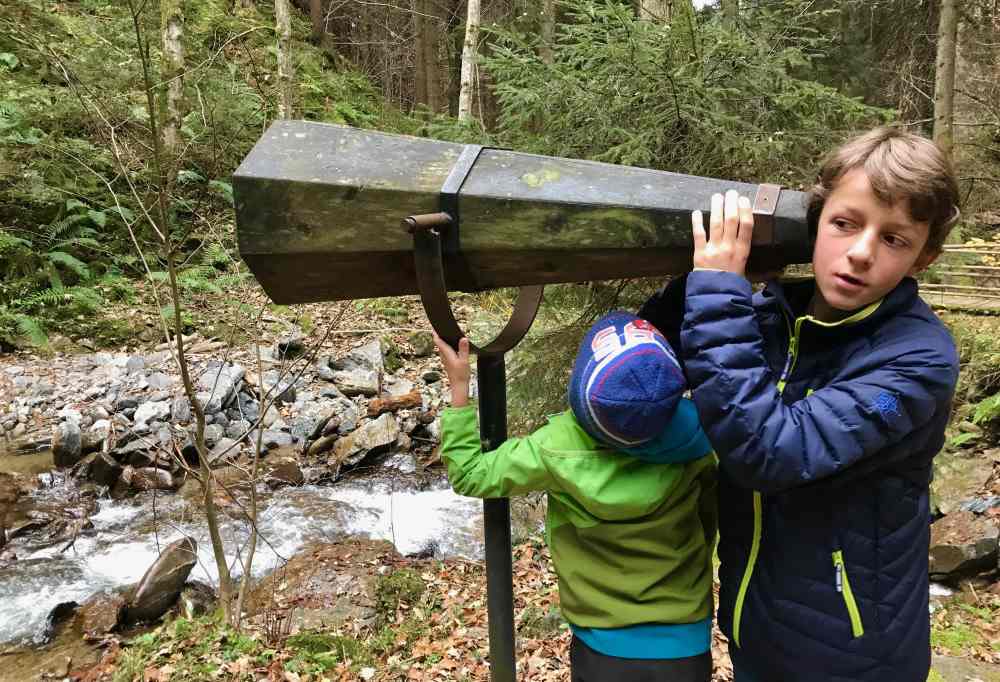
x=626 y=381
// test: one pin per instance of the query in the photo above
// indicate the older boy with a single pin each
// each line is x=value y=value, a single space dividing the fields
x=631 y=502
x=826 y=401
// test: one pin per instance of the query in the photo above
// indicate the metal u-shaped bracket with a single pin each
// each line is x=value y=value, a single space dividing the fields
x=429 y=263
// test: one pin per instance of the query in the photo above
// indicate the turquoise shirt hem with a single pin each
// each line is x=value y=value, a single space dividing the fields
x=649 y=640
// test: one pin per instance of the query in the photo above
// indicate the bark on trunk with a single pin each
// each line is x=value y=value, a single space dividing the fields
x=419 y=49
x=468 y=61
x=655 y=10
x=548 y=30
x=730 y=12
x=286 y=76
x=944 y=78
x=171 y=74
x=318 y=23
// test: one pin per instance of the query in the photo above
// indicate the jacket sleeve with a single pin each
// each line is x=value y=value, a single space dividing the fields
x=769 y=446
x=665 y=311
x=514 y=468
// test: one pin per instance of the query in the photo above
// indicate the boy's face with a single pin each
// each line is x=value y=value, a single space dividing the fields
x=864 y=248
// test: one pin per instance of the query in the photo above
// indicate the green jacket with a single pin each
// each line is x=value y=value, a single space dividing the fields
x=631 y=541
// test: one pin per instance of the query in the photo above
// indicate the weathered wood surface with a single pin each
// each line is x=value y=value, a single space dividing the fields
x=318 y=210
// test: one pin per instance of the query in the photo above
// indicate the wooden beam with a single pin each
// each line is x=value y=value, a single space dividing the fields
x=318 y=211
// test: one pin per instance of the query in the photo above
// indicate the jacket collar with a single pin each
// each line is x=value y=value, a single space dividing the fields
x=792 y=297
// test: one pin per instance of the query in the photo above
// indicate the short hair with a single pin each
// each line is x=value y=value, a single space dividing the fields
x=901 y=166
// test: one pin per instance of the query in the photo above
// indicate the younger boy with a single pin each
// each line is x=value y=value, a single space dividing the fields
x=631 y=502
x=826 y=401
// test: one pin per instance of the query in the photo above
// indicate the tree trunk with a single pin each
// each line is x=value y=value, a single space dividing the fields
x=548 y=30
x=419 y=49
x=318 y=21
x=172 y=75
x=286 y=76
x=730 y=12
x=468 y=61
x=655 y=10
x=944 y=77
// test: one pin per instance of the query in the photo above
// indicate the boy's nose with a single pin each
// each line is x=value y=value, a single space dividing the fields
x=862 y=252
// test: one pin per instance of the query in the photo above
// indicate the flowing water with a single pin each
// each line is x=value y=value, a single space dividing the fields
x=128 y=534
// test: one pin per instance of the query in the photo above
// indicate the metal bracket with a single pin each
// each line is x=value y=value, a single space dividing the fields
x=435 y=234
x=764 y=205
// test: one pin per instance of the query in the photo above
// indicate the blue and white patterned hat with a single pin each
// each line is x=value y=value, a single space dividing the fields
x=626 y=381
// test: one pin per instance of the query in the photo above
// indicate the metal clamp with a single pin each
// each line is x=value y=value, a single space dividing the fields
x=764 y=205
x=437 y=233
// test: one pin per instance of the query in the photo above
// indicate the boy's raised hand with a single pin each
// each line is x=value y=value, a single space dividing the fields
x=456 y=366
x=727 y=246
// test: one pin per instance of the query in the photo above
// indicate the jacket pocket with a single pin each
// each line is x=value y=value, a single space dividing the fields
x=844 y=588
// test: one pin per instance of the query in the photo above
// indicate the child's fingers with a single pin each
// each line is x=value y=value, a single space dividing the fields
x=716 y=224
x=463 y=349
x=731 y=221
x=446 y=352
x=698 y=231
x=746 y=224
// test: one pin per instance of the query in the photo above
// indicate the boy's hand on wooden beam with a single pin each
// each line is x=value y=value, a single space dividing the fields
x=727 y=246
x=456 y=366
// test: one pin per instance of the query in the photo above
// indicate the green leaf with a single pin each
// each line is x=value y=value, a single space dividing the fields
x=187 y=177
x=68 y=261
x=98 y=217
x=31 y=330
x=126 y=214
x=73 y=204
x=9 y=60
x=224 y=189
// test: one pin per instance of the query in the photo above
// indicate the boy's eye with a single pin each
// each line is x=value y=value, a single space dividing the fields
x=841 y=224
x=895 y=240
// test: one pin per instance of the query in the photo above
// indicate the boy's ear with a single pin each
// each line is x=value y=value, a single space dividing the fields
x=924 y=260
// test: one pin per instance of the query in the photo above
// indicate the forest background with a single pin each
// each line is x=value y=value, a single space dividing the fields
x=122 y=122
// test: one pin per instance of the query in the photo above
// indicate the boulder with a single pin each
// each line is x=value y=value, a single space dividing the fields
x=154 y=410
x=322 y=445
x=134 y=480
x=104 y=470
x=100 y=615
x=422 y=343
x=291 y=345
x=357 y=382
x=963 y=543
x=393 y=403
x=162 y=583
x=67 y=444
x=375 y=436
x=368 y=356
x=220 y=382
x=196 y=599
x=275 y=439
x=285 y=470
x=279 y=385
x=180 y=409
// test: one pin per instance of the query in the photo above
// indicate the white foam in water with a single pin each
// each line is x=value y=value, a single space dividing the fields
x=123 y=545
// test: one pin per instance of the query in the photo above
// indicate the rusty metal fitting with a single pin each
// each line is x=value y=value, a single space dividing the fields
x=426 y=221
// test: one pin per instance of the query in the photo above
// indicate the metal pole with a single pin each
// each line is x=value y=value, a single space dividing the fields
x=492 y=384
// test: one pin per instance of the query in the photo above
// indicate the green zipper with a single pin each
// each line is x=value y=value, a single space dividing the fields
x=751 y=562
x=844 y=587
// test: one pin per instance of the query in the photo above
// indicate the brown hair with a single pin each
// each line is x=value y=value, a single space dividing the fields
x=901 y=166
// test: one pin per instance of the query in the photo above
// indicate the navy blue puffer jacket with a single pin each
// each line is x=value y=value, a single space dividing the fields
x=825 y=435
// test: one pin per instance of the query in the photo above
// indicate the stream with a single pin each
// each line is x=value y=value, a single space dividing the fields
x=387 y=503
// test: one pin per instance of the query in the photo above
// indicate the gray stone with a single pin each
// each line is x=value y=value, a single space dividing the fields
x=126 y=403
x=963 y=543
x=270 y=417
x=67 y=444
x=152 y=411
x=321 y=445
x=276 y=439
x=280 y=387
x=196 y=599
x=368 y=356
x=162 y=583
x=237 y=429
x=357 y=381
x=398 y=386
x=135 y=364
x=249 y=408
x=422 y=343
x=291 y=345
x=431 y=377
x=213 y=432
x=100 y=614
x=221 y=419
x=225 y=449
x=220 y=381
x=160 y=381
x=348 y=414
x=371 y=438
